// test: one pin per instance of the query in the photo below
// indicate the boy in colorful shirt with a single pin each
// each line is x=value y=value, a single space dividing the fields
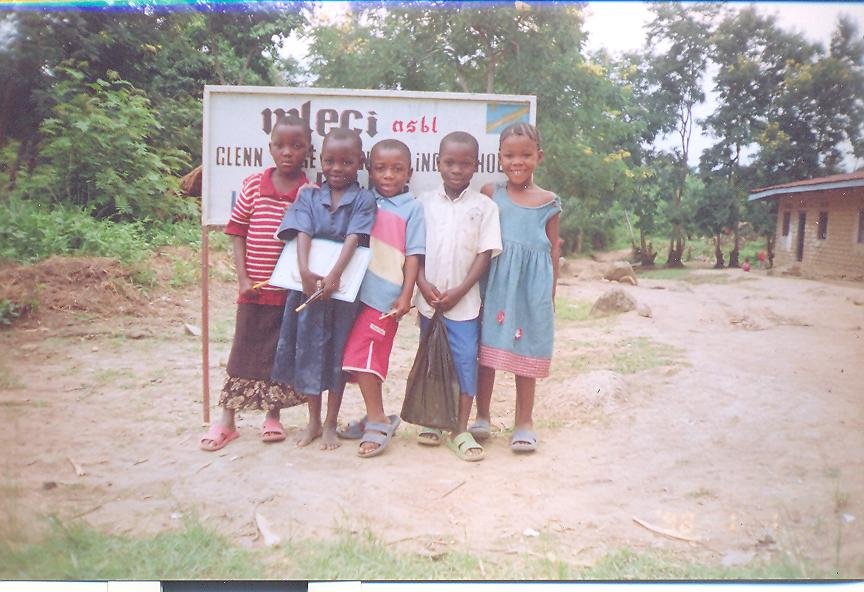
x=398 y=242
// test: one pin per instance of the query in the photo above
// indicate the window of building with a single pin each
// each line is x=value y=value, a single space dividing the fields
x=787 y=217
x=861 y=226
x=822 y=226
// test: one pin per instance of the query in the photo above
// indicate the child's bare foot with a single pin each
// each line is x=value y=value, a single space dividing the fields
x=329 y=439
x=310 y=434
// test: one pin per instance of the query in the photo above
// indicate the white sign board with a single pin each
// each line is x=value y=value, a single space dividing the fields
x=238 y=120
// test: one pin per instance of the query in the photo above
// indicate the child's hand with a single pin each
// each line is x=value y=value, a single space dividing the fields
x=429 y=292
x=245 y=288
x=400 y=308
x=447 y=300
x=330 y=285
x=310 y=282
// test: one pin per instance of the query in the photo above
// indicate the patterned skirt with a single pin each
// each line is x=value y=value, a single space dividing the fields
x=248 y=385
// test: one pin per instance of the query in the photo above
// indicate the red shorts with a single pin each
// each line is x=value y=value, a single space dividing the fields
x=369 y=344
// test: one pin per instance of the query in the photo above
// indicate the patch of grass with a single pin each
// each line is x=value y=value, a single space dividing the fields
x=184 y=271
x=702 y=492
x=629 y=565
x=626 y=356
x=78 y=552
x=8 y=381
x=638 y=354
x=571 y=310
x=222 y=330
x=111 y=375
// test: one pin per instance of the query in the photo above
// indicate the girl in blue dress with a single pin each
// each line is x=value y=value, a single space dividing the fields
x=518 y=306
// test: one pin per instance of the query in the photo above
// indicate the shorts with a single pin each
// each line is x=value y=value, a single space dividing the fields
x=464 y=339
x=369 y=344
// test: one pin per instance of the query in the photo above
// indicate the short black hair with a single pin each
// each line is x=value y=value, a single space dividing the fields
x=292 y=120
x=520 y=129
x=391 y=144
x=340 y=133
x=461 y=138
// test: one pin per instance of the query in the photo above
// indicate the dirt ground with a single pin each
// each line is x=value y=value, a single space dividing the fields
x=732 y=418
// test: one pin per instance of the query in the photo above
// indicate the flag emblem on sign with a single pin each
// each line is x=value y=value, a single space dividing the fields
x=500 y=115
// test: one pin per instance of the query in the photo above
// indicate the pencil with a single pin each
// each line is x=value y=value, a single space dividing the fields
x=315 y=296
x=389 y=314
x=260 y=284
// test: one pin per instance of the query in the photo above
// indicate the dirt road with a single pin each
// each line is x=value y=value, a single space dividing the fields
x=732 y=419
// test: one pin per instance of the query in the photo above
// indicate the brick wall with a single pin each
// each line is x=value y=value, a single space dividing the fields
x=839 y=253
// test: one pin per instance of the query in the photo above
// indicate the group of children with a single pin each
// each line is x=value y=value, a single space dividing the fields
x=446 y=242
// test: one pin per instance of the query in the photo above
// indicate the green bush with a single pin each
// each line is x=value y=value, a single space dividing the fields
x=97 y=153
x=34 y=231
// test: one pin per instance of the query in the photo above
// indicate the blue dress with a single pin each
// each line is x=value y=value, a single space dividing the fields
x=518 y=317
x=311 y=342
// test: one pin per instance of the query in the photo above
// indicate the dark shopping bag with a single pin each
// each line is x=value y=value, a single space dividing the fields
x=432 y=391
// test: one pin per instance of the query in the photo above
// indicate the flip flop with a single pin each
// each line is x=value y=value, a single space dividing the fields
x=481 y=429
x=523 y=440
x=429 y=437
x=219 y=435
x=464 y=442
x=380 y=434
x=272 y=430
x=354 y=430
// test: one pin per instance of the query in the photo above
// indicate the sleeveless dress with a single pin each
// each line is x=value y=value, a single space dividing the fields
x=518 y=317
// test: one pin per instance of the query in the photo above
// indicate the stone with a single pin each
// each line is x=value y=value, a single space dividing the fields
x=621 y=271
x=613 y=301
x=643 y=310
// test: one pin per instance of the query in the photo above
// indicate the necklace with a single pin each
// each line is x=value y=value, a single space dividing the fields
x=522 y=186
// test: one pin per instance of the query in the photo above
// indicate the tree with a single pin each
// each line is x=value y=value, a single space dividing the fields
x=95 y=153
x=677 y=46
x=532 y=48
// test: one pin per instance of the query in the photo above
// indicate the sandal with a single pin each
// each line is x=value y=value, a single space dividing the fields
x=219 y=436
x=429 y=437
x=481 y=429
x=462 y=444
x=354 y=430
x=272 y=430
x=380 y=434
x=523 y=440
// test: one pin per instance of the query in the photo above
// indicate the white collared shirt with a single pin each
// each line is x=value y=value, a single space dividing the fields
x=457 y=230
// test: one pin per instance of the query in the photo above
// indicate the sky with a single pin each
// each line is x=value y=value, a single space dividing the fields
x=617 y=27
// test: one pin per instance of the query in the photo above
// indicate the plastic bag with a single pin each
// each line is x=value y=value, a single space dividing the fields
x=432 y=390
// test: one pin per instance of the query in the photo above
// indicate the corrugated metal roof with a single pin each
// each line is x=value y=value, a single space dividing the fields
x=843 y=181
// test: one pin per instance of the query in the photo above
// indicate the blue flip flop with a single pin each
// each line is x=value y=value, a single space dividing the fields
x=481 y=429
x=380 y=434
x=354 y=430
x=523 y=440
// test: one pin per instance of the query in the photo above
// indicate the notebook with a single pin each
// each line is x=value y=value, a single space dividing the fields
x=322 y=256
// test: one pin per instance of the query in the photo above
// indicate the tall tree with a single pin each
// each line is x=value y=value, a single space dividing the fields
x=527 y=48
x=677 y=48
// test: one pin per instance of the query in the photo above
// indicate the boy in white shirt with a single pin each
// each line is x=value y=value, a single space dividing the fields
x=462 y=236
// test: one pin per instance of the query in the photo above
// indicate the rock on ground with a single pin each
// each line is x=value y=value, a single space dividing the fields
x=621 y=271
x=613 y=301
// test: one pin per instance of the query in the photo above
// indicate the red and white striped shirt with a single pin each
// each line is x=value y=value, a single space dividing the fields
x=256 y=216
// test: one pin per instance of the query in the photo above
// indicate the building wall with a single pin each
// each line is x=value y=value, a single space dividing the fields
x=839 y=253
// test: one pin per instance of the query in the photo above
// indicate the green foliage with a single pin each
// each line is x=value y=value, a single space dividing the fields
x=77 y=552
x=34 y=232
x=12 y=311
x=95 y=154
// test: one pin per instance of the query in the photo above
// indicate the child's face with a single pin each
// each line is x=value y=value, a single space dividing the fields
x=289 y=147
x=519 y=156
x=340 y=161
x=389 y=171
x=457 y=162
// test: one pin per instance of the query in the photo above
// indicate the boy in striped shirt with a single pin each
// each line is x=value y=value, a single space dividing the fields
x=398 y=242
